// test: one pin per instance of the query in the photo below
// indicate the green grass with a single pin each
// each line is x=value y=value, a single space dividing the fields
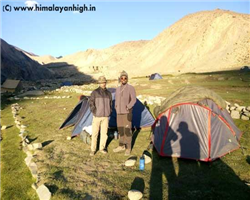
x=16 y=179
x=69 y=172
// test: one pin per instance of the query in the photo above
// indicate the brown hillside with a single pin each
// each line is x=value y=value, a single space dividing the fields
x=201 y=42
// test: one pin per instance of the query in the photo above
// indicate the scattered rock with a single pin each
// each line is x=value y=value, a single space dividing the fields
x=37 y=146
x=68 y=138
x=3 y=127
x=147 y=159
x=130 y=162
x=30 y=147
x=235 y=114
x=134 y=195
x=232 y=108
x=28 y=160
x=243 y=117
x=246 y=113
x=241 y=108
x=34 y=186
x=43 y=192
x=33 y=169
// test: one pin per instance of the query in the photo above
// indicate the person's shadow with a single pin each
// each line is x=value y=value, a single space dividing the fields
x=189 y=178
x=163 y=167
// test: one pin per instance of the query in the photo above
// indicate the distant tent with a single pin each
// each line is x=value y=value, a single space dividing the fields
x=81 y=116
x=198 y=128
x=66 y=83
x=11 y=86
x=155 y=76
x=245 y=69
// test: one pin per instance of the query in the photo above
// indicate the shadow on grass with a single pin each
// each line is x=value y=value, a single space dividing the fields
x=134 y=137
x=138 y=184
x=248 y=159
x=31 y=139
x=190 y=179
x=195 y=180
x=47 y=143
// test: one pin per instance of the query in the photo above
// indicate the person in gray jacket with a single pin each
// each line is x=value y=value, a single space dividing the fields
x=100 y=103
x=125 y=98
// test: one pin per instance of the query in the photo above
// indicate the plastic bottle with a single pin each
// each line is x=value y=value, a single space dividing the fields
x=142 y=163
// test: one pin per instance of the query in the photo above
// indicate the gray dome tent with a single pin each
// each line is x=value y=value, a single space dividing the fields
x=194 y=124
x=155 y=76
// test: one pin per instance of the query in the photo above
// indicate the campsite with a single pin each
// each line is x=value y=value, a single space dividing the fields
x=125 y=100
x=65 y=167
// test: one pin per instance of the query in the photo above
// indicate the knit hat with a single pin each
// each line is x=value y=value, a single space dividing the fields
x=124 y=74
x=102 y=79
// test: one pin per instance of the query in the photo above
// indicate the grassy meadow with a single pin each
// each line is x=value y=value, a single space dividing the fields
x=67 y=170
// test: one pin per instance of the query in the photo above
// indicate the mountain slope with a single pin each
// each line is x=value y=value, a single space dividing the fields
x=201 y=42
x=16 y=65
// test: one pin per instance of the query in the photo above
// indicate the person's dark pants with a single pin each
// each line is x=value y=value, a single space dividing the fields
x=124 y=123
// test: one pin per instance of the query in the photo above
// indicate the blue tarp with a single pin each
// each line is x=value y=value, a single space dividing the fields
x=66 y=83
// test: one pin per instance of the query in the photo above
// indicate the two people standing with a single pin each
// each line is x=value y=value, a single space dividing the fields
x=101 y=107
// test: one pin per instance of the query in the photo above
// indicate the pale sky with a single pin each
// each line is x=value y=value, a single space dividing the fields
x=113 y=22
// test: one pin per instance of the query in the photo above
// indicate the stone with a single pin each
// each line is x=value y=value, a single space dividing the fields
x=24 y=144
x=23 y=126
x=3 y=127
x=37 y=146
x=28 y=160
x=33 y=169
x=236 y=105
x=30 y=147
x=235 y=114
x=243 y=117
x=43 y=192
x=232 y=108
x=241 y=108
x=27 y=140
x=147 y=159
x=130 y=162
x=68 y=138
x=34 y=186
x=246 y=113
x=134 y=195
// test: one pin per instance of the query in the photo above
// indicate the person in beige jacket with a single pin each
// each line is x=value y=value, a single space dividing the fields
x=125 y=99
x=100 y=103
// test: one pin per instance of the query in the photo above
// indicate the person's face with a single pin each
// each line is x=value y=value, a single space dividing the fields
x=102 y=85
x=124 y=80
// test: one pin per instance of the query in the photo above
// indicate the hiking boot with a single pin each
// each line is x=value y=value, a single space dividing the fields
x=92 y=153
x=104 y=151
x=127 y=152
x=119 y=149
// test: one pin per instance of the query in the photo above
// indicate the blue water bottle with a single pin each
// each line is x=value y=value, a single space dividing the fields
x=142 y=163
x=116 y=135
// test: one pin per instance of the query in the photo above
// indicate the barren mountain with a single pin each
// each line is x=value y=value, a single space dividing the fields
x=17 y=65
x=43 y=59
x=201 y=42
